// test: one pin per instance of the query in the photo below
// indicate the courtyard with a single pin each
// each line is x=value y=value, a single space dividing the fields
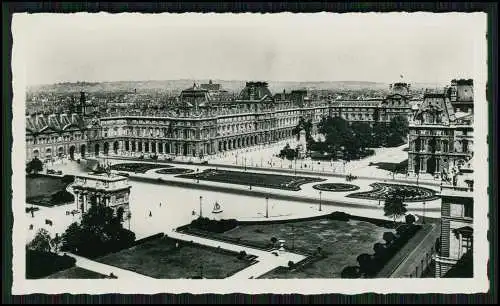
x=286 y=182
x=167 y=258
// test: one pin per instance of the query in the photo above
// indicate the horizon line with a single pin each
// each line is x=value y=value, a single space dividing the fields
x=238 y=80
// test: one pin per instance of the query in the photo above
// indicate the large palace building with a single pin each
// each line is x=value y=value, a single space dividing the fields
x=441 y=131
x=204 y=120
x=457 y=213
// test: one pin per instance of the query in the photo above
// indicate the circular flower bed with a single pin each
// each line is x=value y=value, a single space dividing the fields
x=409 y=193
x=174 y=171
x=336 y=187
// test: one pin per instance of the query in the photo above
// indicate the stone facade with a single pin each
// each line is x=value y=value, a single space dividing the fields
x=457 y=213
x=48 y=137
x=206 y=120
x=441 y=132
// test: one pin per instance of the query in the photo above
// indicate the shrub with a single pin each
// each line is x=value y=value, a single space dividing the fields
x=291 y=264
x=351 y=272
x=242 y=255
x=410 y=219
x=62 y=196
x=216 y=226
x=68 y=179
x=401 y=230
x=340 y=216
x=389 y=237
x=367 y=264
x=380 y=250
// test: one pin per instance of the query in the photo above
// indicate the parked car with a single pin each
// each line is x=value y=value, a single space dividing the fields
x=123 y=174
x=205 y=162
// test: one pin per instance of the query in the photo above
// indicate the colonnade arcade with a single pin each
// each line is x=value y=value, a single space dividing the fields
x=186 y=148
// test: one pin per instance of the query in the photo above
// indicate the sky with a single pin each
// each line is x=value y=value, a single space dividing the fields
x=423 y=47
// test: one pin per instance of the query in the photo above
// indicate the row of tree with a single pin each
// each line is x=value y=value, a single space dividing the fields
x=352 y=140
x=370 y=265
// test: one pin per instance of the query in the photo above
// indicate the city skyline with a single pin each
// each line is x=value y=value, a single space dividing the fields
x=279 y=47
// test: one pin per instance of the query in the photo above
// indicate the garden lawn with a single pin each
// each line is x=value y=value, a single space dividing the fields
x=340 y=241
x=77 y=273
x=47 y=191
x=137 y=167
x=286 y=182
x=42 y=185
x=161 y=258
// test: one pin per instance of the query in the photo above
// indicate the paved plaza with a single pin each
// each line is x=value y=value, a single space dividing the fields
x=162 y=206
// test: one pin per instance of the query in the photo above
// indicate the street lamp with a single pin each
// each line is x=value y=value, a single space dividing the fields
x=267 y=206
x=320 y=201
x=423 y=218
x=201 y=212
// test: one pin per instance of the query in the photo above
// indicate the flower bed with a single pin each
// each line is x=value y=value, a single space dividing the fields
x=276 y=181
x=336 y=187
x=137 y=167
x=174 y=171
x=409 y=193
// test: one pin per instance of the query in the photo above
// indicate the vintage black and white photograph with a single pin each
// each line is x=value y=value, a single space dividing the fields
x=254 y=153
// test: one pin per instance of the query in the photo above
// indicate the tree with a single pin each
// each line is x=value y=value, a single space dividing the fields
x=380 y=134
x=34 y=166
x=274 y=240
x=394 y=207
x=41 y=242
x=400 y=125
x=99 y=232
x=363 y=133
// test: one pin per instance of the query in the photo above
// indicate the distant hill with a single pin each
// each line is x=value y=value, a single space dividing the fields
x=175 y=86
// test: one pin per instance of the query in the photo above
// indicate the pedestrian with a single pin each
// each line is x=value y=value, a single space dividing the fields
x=160 y=204
x=150 y=213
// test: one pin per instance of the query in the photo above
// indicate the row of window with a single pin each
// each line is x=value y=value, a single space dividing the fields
x=55 y=139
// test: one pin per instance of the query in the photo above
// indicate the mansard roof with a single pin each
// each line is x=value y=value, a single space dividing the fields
x=437 y=104
x=255 y=91
x=36 y=124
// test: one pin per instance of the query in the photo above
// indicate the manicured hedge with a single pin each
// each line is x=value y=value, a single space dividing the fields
x=215 y=226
